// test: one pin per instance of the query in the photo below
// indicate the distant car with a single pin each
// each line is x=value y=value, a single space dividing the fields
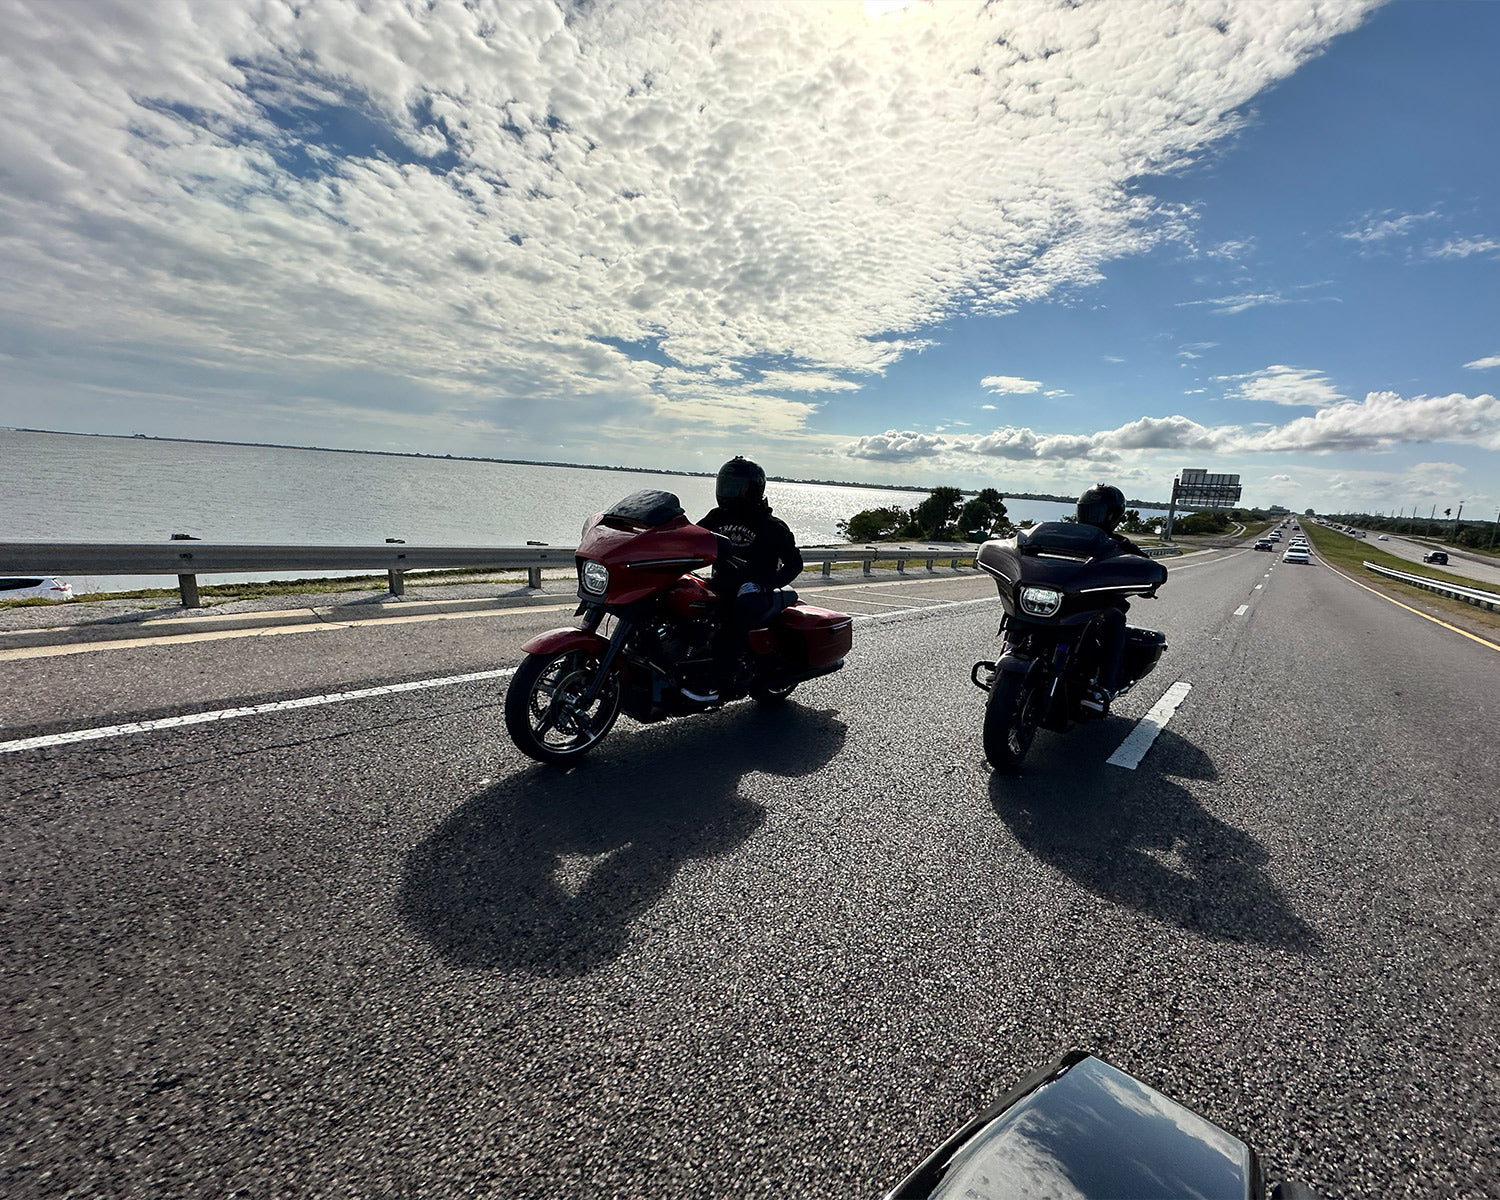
x=1265 y=544
x=1276 y=537
x=1384 y=537
x=1296 y=554
x=30 y=587
x=1436 y=556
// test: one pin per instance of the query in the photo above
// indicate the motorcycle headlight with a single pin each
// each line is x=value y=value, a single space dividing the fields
x=594 y=577
x=1040 y=601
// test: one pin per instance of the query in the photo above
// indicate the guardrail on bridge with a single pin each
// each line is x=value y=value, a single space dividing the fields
x=189 y=559
x=1472 y=596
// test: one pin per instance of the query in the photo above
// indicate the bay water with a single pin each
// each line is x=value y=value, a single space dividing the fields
x=58 y=487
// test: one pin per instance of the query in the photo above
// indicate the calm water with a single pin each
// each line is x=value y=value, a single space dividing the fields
x=68 y=488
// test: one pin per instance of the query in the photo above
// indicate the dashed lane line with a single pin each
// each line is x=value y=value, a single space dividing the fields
x=1242 y=610
x=1143 y=736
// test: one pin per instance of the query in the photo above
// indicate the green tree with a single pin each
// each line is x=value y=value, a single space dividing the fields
x=935 y=514
x=874 y=524
x=1132 y=520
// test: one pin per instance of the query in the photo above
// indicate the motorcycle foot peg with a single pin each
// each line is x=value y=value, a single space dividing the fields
x=988 y=681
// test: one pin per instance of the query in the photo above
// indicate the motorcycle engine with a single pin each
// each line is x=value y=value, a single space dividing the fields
x=678 y=643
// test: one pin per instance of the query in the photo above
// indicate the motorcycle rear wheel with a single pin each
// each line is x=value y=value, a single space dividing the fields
x=1010 y=721
x=543 y=711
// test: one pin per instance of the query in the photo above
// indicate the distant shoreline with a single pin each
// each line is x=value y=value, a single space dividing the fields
x=537 y=462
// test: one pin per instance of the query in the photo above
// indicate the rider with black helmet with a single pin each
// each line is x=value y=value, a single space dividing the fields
x=1103 y=506
x=757 y=555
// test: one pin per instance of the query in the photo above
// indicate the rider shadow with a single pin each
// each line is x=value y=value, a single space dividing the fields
x=546 y=872
x=1140 y=840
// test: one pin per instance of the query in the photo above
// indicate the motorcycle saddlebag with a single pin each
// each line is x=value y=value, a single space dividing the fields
x=1143 y=649
x=813 y=638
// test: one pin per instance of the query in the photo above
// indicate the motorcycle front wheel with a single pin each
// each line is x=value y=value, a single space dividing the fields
x=544 y=709
x=1010 y=721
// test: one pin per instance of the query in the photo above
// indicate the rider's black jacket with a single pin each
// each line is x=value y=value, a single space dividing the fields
x=1125 y=546
x=761 y=549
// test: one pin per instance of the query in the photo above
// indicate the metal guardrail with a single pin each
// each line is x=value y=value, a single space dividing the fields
x=1472 y=596
x=189 y=559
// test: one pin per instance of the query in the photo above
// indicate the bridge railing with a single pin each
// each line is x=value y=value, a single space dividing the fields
x=189 y=559
x=1472 y=596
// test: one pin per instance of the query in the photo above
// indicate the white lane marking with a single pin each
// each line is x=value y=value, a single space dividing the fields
x=254 y=710
x=892 y=616
x=1258 y=586
x=228 y=714
x=1141 y=738
x=1242 y=610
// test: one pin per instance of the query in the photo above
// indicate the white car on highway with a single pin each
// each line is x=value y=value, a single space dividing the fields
x=1296 y=554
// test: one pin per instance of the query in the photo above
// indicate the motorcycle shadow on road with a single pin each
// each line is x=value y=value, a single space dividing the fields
x=1141 y=840
x=546 y=872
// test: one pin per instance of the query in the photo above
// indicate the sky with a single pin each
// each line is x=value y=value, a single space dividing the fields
x=1025 y=245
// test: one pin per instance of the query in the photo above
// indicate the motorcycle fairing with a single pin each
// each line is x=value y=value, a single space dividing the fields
x=1085 y=1128
x=642 y=561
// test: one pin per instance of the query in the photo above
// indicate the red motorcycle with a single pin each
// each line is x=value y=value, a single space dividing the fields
x=634 y=566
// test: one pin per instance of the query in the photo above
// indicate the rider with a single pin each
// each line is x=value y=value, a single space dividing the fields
x=1103 y=507
x=757 y=556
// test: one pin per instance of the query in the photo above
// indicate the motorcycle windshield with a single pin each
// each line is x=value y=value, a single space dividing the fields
x=1068 y=573
x=1093 y=1131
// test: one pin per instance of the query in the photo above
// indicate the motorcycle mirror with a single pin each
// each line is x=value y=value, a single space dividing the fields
x=1082 y=1127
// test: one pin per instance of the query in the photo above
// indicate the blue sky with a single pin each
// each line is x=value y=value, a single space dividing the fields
x=1023 y=245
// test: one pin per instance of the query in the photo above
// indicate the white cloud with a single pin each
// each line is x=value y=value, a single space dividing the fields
x=1279 y=384
x=1466 y=247
x=896 y=446
x=1382 y=421
x=1482 y=364
x=558 y=211
x=1010 y=385
x=1373 y=230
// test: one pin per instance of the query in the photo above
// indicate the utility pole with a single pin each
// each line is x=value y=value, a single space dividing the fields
x=1495 y=530
x=1431 y=520
x=1457 y=518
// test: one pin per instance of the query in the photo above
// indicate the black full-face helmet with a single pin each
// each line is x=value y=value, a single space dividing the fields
x=741 y=483
x=1102 y=506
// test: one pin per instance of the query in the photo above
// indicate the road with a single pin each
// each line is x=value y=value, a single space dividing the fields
x=363 y=948
x=1482 y=569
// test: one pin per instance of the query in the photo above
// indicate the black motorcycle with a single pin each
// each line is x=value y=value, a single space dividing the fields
x=1057 y=584
x=1083 y=1128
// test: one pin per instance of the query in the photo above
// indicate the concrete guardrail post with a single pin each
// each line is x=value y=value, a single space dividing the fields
x=534 y=577
x=188 y=586
x=397 y=581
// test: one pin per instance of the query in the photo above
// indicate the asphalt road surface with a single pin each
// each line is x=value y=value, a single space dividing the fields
x=364 y=948
x=1484 y=570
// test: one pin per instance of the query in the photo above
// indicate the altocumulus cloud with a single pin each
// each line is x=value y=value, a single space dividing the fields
x=649 y=201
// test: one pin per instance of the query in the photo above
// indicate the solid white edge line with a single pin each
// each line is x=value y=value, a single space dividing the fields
x=229 y=714
x=1143 y=736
